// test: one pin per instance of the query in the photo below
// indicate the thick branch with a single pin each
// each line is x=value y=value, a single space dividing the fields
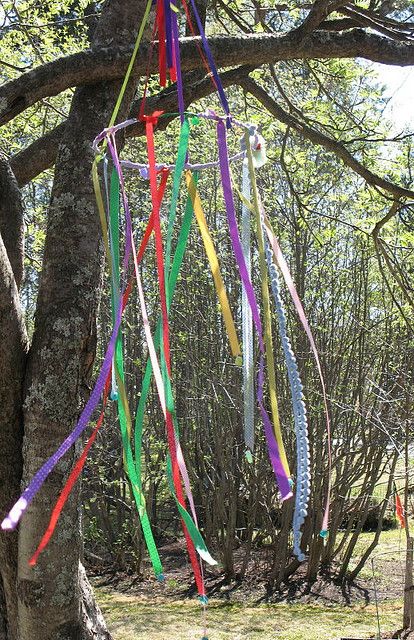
x=96 y=65
x=41 y=154
x=321 y=139
x=38 y=156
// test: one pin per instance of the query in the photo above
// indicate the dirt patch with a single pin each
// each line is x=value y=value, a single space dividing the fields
x=382 y=581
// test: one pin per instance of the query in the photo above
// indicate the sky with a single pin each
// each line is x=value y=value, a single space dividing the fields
x=400 y=88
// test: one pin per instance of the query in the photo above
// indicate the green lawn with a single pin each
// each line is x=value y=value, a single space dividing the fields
x=132 y=617
x=388 y=558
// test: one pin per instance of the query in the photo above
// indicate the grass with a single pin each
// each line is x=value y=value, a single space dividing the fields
x=388 y=557
x=130 y=617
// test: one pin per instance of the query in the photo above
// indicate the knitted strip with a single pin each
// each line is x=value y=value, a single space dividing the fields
x=299 y=412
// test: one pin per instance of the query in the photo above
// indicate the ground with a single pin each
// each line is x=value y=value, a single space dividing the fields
x=132 y=617
x=149 y=611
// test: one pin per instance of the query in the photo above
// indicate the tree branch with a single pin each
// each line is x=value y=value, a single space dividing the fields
x=371 y=21
x=319 y=11
x=339 y=24
x=41 y=154
x=38 y=156
x=96 y=65
x=395 y=270
x=321 y=139
x=11 y=219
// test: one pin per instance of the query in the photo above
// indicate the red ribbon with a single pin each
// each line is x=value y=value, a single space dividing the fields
x=172 y=445
x=77 y=469
x=399 y=510
x=162 y=60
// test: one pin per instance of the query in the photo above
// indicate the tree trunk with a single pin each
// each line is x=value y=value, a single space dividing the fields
x=54 y=600
x=408 y=622
x=3 y=627
x=13 y=348
x=408 y=613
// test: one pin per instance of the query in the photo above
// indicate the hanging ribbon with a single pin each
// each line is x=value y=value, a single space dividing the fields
x=301 y=430
x=399 y=509
x=214 y=266
x=131 y=64
x=195 y=35
x=157 y=373
x=189 y=523
x=247 y=322
x=266 y=310
x=178 y=172
x=282 y=264
x=19 y=508
x=177 y=61
x=162 y=60
x=302 y=492
x=74 y=475
x=12 y=519
x=60 y=503
x=178 y=257
x=123 y=406
x=129 y=240
x=177 y=261
x=211 y=63
x=165 y=348
x=274 y=455
x=166 y=400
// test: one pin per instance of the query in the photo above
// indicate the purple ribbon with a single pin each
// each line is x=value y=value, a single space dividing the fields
x=273 y=449
x=128 y=219
x=12 y=519
x=168 y=33
x=211 y=63
x=176 y=43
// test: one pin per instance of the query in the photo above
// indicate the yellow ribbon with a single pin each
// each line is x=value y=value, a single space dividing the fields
x=101 y=210
x=214 y=266
x=266 y=310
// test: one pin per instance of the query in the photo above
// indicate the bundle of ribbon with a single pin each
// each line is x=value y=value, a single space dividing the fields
x=112 y=368
x=115 y=212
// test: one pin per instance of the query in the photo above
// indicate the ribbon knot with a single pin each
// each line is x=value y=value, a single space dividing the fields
x=151 y=119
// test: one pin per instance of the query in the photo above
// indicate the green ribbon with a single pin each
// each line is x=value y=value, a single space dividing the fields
x=178 y=172
x=172 y=281
x=195 y=534
x=123 y=408
x=193 y=531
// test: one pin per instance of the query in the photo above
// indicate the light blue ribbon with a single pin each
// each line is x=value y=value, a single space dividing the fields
x=299 y=412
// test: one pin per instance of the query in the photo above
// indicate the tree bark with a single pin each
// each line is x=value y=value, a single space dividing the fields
x=13 y=348
x=11 y=219
x=3 y=628
x=100 y=64
x=408 y=622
